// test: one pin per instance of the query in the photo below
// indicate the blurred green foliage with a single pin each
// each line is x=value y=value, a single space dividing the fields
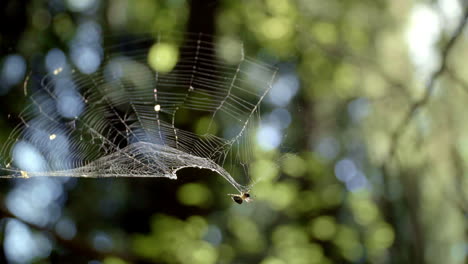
x=342 y=51
x=176 y=241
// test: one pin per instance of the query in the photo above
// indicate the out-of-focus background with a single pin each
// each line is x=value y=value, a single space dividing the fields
x=362 y=149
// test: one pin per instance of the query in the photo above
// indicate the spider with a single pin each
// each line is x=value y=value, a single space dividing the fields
x=239 y=198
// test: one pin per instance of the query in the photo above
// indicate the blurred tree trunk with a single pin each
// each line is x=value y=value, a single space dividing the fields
x=202 y=16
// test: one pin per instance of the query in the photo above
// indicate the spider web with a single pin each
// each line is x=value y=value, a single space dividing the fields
x=128 y=120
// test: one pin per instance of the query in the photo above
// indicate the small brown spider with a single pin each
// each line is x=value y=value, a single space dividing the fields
x=239 y=198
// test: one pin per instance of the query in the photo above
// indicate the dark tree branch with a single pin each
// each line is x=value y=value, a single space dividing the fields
x=390 y=210
x=462 y=200
x=401 y=128
x=456 y=79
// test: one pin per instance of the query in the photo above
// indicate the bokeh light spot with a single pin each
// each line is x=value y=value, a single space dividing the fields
x=163 y=57
x=276 y=27
x=194 y=194
x=268 y=137
x=264 y=170
x=323 y=227
x=12 y=73
x=294 y=165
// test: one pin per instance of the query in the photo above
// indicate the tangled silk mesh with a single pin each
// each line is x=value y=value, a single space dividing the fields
x=125 y=119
